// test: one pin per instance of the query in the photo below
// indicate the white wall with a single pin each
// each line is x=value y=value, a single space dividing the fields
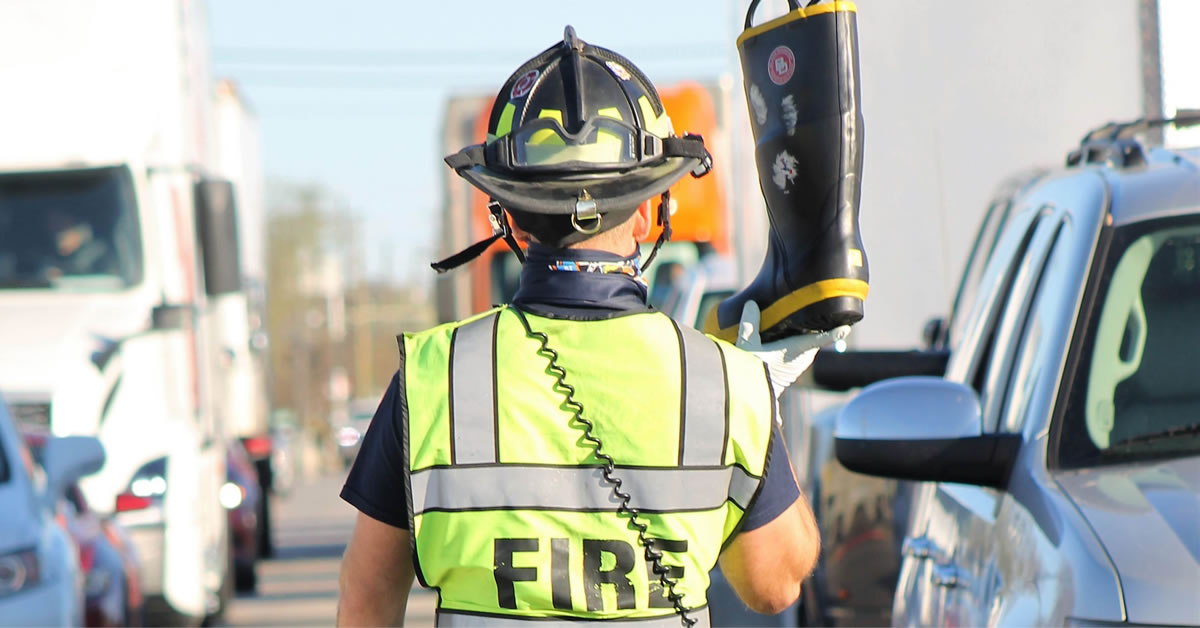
x=1178 y=20
x=956 y=96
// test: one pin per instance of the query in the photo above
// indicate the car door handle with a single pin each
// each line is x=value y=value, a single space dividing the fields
x=919 y=548
x=948 y=576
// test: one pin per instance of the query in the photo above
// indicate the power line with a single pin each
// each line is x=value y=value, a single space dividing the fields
x=423 y=56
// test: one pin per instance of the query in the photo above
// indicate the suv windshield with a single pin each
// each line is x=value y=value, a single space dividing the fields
x=69 y=230
x=1136 y=389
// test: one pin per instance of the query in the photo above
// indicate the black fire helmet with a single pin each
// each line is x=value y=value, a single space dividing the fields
x=577 y=140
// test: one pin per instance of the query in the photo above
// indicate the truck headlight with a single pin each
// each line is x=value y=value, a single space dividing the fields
x=231 y=495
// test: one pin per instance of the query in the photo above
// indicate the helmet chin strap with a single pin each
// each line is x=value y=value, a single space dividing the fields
x=500 y=229
x=664 y=221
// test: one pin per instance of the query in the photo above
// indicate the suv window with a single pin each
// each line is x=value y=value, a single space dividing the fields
x=1135 y=391
x=987 y=237
x=1036 y=335
x=997 y=365
x=971 y=349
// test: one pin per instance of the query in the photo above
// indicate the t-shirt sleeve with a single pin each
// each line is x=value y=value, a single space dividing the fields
x=778 y=490
x=375 y=485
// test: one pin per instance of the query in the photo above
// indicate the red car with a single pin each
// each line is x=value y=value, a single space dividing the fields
x=240 y=495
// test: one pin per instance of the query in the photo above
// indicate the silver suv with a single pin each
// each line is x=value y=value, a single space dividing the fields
x=1059 y=456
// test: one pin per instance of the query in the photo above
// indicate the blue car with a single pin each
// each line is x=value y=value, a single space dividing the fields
x=41 y=582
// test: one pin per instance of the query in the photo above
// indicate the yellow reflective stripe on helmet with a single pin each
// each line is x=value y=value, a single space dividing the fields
x=604 y=136
x=655 y=124
x=546 y=137
x=610 y=112
x=504 y=125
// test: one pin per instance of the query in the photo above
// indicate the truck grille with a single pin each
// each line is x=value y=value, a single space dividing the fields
x=31 y=416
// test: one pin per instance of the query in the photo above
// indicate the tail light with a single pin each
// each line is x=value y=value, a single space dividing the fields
x=147 y=487
x=87 y=557
x=258 y=446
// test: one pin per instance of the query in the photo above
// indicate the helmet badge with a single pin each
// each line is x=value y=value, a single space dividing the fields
x=523 y=85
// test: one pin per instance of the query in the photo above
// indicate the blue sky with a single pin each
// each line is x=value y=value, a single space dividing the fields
x=349 y=94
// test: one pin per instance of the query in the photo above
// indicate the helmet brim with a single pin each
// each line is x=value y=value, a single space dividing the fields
x=557 y=196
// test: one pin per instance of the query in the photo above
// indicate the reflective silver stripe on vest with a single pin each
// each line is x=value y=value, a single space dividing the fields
x=451 y=619
x=473 y=392
x=704 y=419
x=526 y=487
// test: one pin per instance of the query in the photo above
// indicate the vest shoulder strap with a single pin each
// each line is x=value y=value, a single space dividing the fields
x=473 y=411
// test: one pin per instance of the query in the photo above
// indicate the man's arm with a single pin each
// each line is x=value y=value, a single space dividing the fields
x=377 y=573
x=377 y=570
x=767 y=565
x=779 y=542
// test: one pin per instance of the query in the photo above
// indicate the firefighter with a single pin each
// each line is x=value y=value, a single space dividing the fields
x=576 y=455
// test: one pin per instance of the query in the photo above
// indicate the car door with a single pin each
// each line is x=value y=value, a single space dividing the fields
x=983 y=515
x=946 y=551
x=1030 y=576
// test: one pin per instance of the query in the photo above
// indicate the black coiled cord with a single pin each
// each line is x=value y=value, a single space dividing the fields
x=653 y=556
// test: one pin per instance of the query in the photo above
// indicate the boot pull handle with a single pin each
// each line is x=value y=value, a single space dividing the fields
x=793 y=5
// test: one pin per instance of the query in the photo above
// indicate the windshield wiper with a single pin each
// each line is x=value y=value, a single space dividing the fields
x=1171 y=432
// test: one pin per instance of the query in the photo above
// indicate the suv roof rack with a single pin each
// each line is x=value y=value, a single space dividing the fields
x=1116 y=144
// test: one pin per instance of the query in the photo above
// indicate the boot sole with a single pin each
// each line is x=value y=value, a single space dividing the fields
x=819 y=306
x=821 y=316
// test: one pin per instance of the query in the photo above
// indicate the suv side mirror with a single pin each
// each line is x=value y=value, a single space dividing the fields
x=845 y=370
x=924 y=429
x=69 y=458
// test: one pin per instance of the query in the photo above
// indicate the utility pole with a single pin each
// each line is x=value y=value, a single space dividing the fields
x=362 y=322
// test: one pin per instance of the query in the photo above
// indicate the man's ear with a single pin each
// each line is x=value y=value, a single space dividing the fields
x=643 y=220
x=520 y=234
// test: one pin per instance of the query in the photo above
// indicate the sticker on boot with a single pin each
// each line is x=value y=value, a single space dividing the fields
x=759 y=104
x=781 y=65
x=784 y=170
x=789 y=114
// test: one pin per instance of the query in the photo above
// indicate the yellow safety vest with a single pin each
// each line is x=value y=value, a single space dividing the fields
x=510 y=516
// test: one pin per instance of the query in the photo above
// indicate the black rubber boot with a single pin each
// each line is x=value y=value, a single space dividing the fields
x=801 y=73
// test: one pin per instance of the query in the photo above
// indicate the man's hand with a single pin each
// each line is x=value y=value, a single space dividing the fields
x=786 y=359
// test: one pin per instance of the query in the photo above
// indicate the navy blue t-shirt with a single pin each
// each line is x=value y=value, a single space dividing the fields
x=376 y=484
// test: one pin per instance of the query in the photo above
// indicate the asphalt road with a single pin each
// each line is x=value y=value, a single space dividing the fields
x=298 y=587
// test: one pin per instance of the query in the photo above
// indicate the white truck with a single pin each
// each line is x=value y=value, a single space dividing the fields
x=241 y=313
x=111 y=321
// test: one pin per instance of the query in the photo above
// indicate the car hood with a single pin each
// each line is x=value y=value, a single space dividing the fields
x=1147 y=517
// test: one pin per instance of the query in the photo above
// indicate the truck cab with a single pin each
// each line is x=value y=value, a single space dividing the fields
x=109 y=310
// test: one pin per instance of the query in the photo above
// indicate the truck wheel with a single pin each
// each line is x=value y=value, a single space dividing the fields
x=266 y=542
x=246 y=578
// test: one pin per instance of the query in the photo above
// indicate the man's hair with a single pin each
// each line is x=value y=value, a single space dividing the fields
x=557 y=231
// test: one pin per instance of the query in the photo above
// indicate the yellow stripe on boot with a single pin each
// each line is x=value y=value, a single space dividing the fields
x=790 y=304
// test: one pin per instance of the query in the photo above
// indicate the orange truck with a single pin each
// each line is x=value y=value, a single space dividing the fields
x=700 y=218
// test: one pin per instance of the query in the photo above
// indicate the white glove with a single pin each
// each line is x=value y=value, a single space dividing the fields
x=788 y=358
